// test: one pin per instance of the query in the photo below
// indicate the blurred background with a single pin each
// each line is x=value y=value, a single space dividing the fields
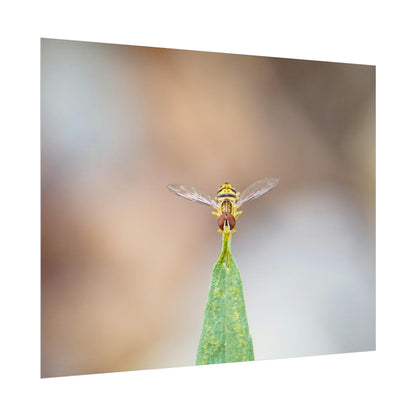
x=126 y=265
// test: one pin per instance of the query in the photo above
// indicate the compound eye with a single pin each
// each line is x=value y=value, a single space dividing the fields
x=231 y=221
x=226 y=219
x=221 y=221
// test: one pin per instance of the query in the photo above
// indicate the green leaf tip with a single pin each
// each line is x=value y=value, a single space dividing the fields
x=225 y=336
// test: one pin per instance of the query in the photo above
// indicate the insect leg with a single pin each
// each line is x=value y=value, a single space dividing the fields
x=216 y=214
x=237 y=214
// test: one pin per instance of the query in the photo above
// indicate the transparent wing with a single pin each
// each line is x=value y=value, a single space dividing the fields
x=257 y=189
x=192 y=193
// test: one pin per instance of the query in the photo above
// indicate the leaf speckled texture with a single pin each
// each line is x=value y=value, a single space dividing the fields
x=225 y=335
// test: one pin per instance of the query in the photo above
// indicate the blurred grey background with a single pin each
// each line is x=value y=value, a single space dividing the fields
x=126 y=264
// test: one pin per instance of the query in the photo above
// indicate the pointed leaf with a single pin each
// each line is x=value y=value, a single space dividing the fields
x=225 y=335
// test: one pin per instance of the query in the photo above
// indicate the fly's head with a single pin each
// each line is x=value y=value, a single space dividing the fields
x=226 y=222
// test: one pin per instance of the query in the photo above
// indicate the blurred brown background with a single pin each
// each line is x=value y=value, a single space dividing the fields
x=126 y=265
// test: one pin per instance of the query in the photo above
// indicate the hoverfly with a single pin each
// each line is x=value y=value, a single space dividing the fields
x=227 y=201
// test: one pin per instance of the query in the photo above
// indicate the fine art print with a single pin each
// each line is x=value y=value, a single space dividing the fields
x=269 y=252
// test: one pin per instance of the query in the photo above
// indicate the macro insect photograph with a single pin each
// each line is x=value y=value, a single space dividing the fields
x=203 y=208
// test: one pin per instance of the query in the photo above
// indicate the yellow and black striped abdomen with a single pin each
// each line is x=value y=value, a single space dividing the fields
x=227 y=197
